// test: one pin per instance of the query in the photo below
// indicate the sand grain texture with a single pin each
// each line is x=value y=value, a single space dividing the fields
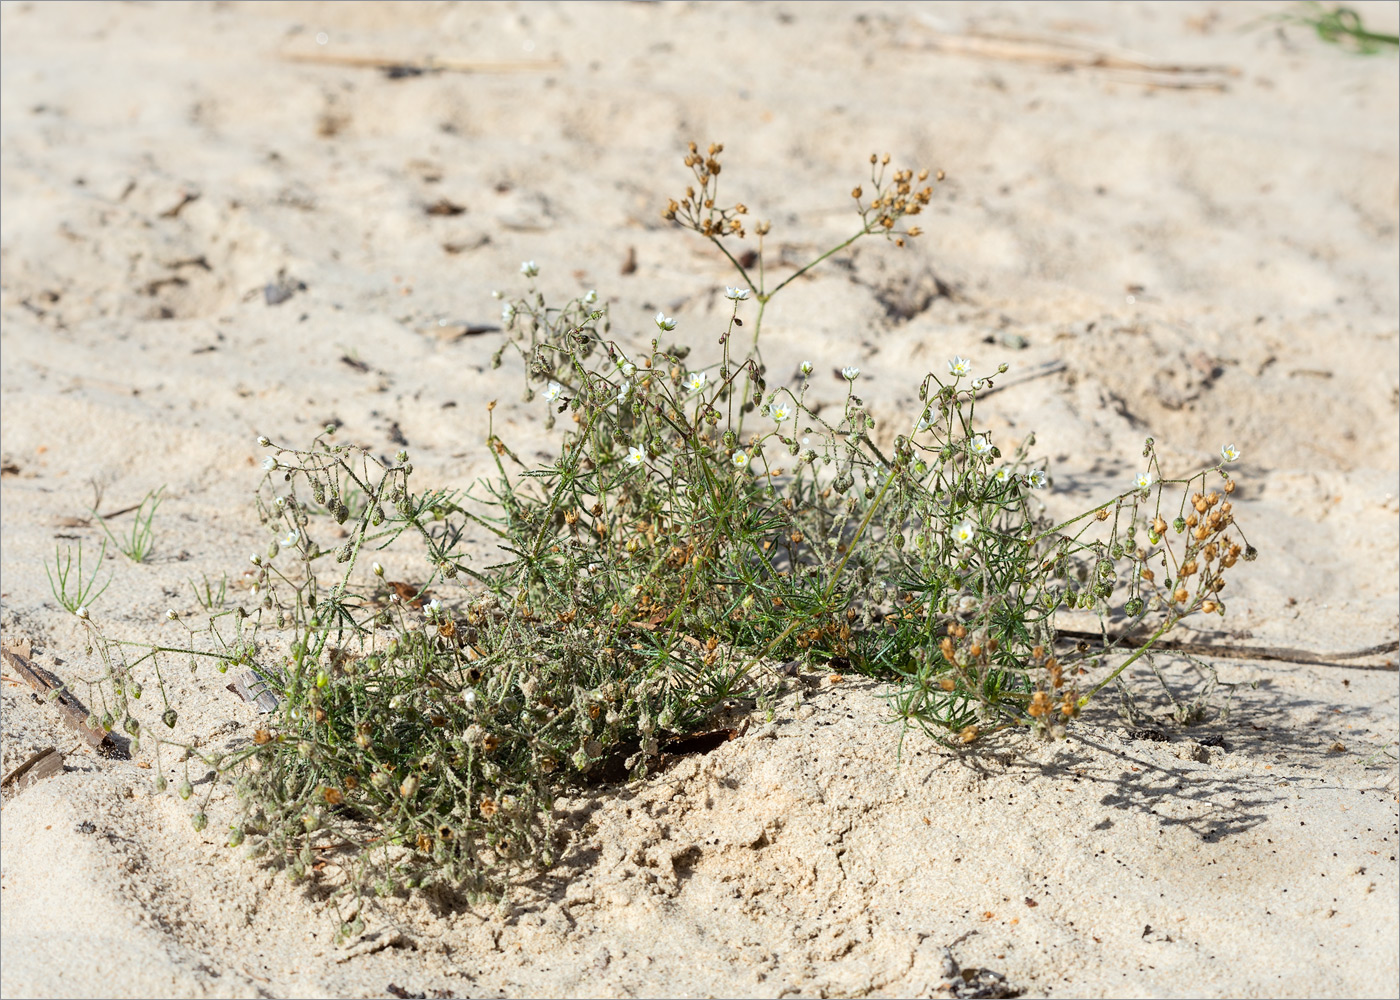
x=203 y=217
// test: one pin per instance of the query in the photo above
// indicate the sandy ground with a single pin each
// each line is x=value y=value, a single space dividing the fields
x=1201 y=230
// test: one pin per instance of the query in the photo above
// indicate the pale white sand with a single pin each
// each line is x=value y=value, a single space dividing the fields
x=1260 y=222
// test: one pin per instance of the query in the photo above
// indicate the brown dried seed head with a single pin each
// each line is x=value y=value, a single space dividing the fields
x=969 y=734
x=1180 y=595
x=488 y=807
x=332 y=796
x=1102 y=515
x=1209 y=606
x=1230 y=486
x=1159 y=526
x=1040 y=704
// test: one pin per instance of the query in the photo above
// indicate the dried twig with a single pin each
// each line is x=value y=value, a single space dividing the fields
x=37 y=767
x=418 y=66
x=1278 y=653
x=53 y=690
x=1063 y=54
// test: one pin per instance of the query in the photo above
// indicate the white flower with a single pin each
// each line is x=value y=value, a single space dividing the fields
x=624 y=390
x=1036 y=479
x=263 y=442
x=82 y=612
x=925 y=422
x=553 y=391
x=967 y=604
x=695 y=381
x=629 y=369
x=850 y=373
x=255 y=559
x=1002 y=475
x=635 y=455
x=959 y=366
x=434 y=608
x=805 y=368
x=980 y=446
x=507 y=313
x=665 y=322
x=1142 y=481
x=736 y=294
x=780 y=412
x=1229 y=453
x=289 y=539
x=591 y=297
x=270 y=463
x=741 y=459
x=965 y=532
x=378 y=569
x=170 y=613
x=529 y=269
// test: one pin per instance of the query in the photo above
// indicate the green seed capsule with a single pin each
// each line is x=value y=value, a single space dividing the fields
x=199 y=821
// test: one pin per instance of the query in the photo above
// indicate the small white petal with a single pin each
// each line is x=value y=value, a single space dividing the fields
x=959 y=366
x=1229 y=453
x=850 y=373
